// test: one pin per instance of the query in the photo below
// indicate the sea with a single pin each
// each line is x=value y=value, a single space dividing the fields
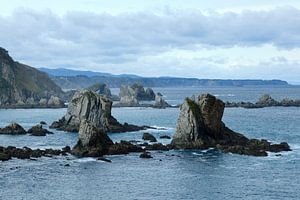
x=176 y=174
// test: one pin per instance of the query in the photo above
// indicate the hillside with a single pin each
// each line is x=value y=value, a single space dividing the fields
x=22 y=84
x=83 y=79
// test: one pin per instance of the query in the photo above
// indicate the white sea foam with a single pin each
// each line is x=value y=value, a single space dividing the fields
x=84 y=160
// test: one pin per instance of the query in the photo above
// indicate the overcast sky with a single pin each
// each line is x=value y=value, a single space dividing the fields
x=232 y=39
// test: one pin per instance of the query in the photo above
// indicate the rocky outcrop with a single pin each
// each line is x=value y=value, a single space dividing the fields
x=265 y=101
x=150 y=137
x=138 y=92
x=200 y=126
x=129 y=101
x=38 y=130
x=22 y=85
x=96 y=109
x=160 y=102
x=13 y=129
x=103 y=89
x=27 y=153
x=92 y=141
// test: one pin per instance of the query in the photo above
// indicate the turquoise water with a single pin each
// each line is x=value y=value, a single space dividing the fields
x=183 y=175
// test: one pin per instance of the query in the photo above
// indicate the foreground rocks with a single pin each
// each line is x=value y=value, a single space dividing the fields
x=265 y=101
x=28 y=153
x=96 y=109
x=13 y=129
x=200 y=126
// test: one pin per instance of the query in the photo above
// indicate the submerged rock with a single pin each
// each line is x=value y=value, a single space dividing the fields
x=92 y=141
x=38 y=130
x=96 y=109
x=13 y=129
x=165 y=137
x=150 y=137
x=200 y=126
x=146 y=154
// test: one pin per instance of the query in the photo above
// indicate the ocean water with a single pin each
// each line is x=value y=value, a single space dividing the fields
x=184 y=175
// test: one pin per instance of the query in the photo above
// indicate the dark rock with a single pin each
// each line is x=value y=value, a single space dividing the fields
x=66 y=149
x=104 y=159
x=157 y=147
x=150 y=137
x=123 y=147
x=267 y=100
x=4 y=156
x=200 y=126
x=13 y=129
x=38 y=130
x=92 y=141
x=67 y=165
x=146 y=155
x=165 y=137
x=43 y=123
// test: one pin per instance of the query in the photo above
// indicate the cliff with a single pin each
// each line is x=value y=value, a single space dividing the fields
x=21 y=84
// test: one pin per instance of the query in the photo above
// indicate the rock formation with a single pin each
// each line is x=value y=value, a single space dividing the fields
x=200 y=126
x=103 y=89
x=96 y=109
x=265 y=101
x=38 y=130
x=92 y=141
x=150 y=137
x=137 y=91
x=129 y=101
x=160 y=102
x=22 y=85
x=13 y=129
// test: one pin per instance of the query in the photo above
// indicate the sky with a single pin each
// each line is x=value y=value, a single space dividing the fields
x=216 y=39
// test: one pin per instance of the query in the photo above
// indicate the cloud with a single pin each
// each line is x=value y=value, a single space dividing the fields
x=83 y=39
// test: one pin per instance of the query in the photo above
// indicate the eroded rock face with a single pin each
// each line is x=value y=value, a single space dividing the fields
x=92 y=141
x=38 y=130
x=96 y=109
x=200 y=126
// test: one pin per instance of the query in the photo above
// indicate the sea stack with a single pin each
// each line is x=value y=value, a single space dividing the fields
x=92 y=141
x=96 y=109
x=200 y=126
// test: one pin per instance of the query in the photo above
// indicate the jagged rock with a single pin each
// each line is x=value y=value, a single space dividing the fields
x=13 y=129
x=92 y=141
x=200 y=126
x=43 y=101
x=38 y=130
x=150 y=95
x=267 y=100
x=43 y=123
x=103 y=89
x=96 y=109
x=150 y=137
x=160 y=102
